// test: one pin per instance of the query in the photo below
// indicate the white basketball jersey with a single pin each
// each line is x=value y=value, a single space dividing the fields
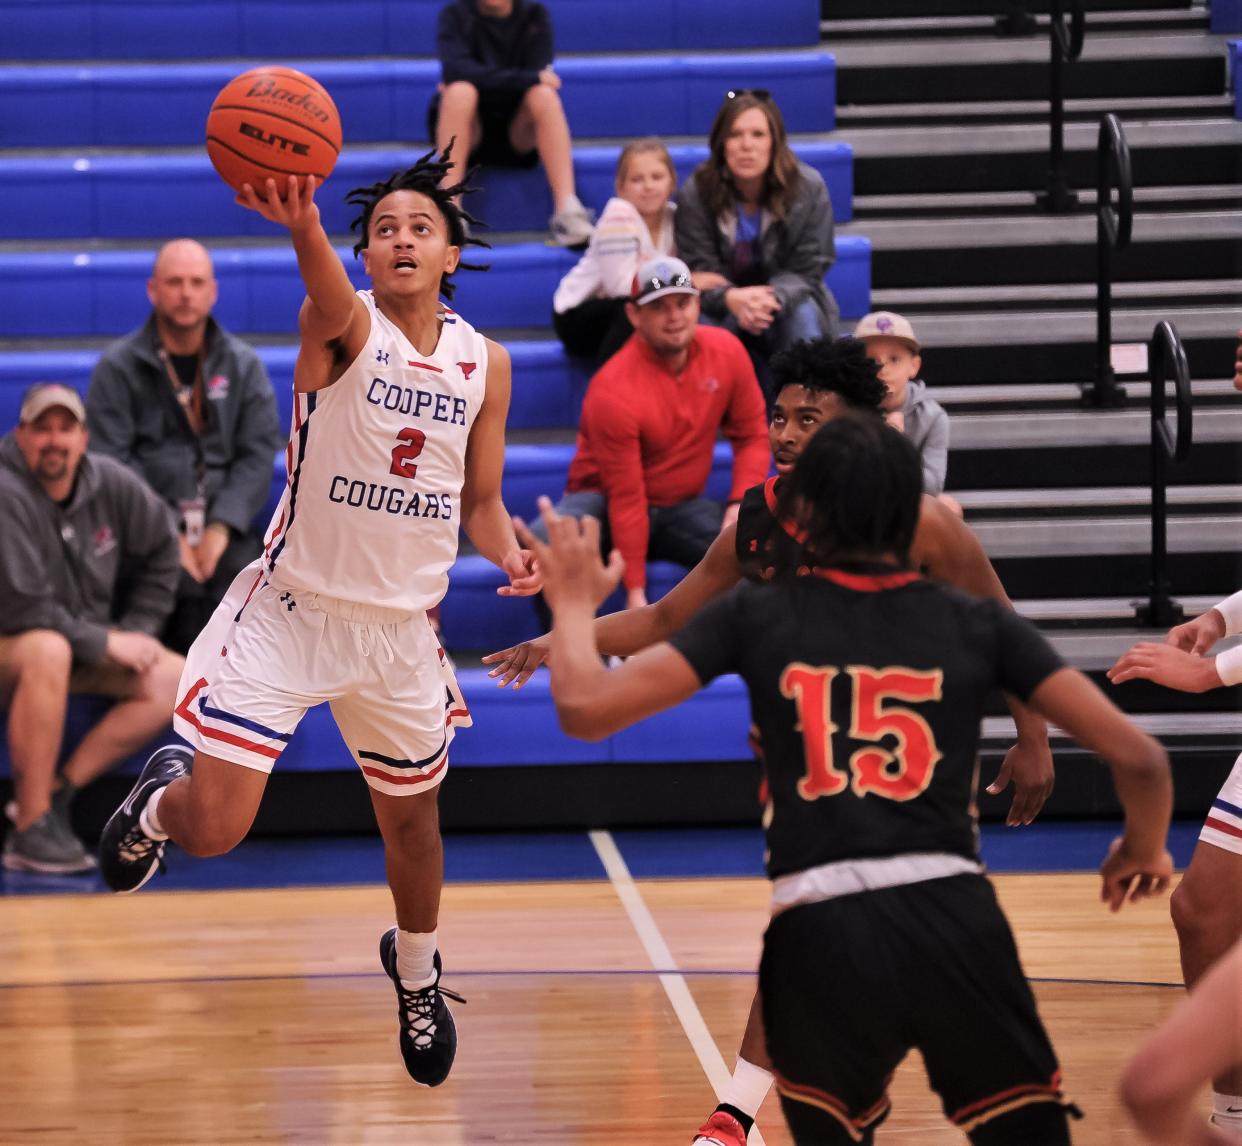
x=376 y=462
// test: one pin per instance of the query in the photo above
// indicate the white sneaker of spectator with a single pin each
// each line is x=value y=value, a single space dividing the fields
x=573 y=224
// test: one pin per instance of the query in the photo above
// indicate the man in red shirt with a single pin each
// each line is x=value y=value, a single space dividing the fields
x=649 y=425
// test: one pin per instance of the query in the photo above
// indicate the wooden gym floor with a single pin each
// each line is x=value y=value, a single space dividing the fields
x=599 y=1012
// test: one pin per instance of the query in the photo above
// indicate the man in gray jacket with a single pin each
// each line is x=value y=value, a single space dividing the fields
x=190 y=408
x=88 y=568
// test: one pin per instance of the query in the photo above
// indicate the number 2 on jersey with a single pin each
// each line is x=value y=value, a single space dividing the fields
x=901 y=774
x=403 y=455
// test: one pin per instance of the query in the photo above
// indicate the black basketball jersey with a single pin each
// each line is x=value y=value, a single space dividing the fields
x=762 y=542
x=868 y=689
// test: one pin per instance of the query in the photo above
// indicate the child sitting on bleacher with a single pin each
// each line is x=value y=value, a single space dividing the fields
x=908 y=407
x=588 y=309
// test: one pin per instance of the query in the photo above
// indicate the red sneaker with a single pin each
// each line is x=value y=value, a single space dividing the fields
x=721 y=1129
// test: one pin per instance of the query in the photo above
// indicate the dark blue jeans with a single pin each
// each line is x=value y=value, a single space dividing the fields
x=682 y=532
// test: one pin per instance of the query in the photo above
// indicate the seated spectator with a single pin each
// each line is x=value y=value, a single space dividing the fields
x=649 y=426
x=588 y=309
x=190 y=408
x=754 y=224
x=500 y=94
x=890 y=342
x=88 y=569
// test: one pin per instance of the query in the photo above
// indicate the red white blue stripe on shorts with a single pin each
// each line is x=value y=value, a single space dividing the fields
x=227 y=727
x=1225 y=818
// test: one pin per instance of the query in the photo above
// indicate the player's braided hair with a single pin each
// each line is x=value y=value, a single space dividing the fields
x=424 y=177
x=855 y=490
x=839 y=365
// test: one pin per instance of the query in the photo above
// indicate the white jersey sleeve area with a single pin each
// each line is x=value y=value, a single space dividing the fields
x=376 y=463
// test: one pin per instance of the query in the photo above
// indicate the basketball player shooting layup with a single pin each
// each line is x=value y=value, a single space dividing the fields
x=868 y=684
x=397 y=440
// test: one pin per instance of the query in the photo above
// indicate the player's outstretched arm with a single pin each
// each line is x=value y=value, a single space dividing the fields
x=949 y=550
x=629 y=631
x=332 y=311
x=1137 y=865
x=483 y=515
x=591 y=701
x=1197 y=1042
x=1181 y=662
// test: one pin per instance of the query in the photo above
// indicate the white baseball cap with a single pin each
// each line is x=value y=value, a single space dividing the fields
x=886 y=324
x=44 y=396
x=660 y=276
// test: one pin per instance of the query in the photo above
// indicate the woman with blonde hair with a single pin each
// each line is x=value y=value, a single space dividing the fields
x=588 y=309
x=754 y=224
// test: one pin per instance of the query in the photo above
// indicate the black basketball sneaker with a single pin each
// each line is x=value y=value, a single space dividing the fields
x=128 y=857
x=428 y=1034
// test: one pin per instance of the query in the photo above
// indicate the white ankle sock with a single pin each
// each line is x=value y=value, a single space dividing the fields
x=1227 y=1114
x=415 y=952
x=148 y=820
x=748 y=1087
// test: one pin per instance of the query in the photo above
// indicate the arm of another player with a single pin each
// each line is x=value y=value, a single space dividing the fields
x=951 y=553
x=631 y=630
x=1197 y=1042
x=334 y=321
x=1137 y=864
x=1180 y=662
x=483 y=515
x=592 y=701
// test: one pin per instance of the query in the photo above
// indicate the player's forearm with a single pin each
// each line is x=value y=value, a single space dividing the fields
x=327 y=285
x=1030 y=726
x=488 y=525
x=579 y=679
x=1144 y=787
x=630 y=631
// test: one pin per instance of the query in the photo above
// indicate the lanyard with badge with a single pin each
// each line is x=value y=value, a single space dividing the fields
x=190 y=400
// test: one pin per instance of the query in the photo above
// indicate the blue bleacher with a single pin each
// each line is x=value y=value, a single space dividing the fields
x=99 y=293
x=153 y=105
x=304 y=29
x=157 y=195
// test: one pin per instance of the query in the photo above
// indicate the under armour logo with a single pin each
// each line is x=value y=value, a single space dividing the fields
x=381 y=356
x=467 y=368
x=287 y=600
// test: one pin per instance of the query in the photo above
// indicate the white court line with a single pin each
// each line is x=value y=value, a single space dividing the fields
x=673 y=982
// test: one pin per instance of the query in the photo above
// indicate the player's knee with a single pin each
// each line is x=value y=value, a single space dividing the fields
x=205 y=838
x=1197 y=913
x=42 y=653
x=459 y=96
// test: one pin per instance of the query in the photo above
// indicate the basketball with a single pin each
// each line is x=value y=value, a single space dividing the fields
x=270 y=123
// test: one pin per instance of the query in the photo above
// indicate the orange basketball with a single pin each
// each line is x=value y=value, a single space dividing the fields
x=271 y=123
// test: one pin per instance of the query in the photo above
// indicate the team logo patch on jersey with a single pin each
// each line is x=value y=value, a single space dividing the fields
x=381 y=356
x=468 y=368
x=710 y=385
x=218 y=387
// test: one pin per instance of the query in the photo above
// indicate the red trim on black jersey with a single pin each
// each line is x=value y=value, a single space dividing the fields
x=769 y=495
x=868 y=582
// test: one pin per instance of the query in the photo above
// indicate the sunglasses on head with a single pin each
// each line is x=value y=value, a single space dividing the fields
x=758 y=93
x=657 y=283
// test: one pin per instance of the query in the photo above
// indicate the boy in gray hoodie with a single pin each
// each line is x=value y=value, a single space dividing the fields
x=891 y=343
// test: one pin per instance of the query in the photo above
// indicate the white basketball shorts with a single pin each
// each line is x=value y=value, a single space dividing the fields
x=1223 y=826
x=269 y=653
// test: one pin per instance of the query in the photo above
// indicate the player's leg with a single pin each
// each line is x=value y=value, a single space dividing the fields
x=35 y=668
x=540 y=125
x=730 y=1123
x=458 y=120
x=247 y=682
x=833 y=1020
x=399 y=727
x=974 y=1017
x=1207 y=912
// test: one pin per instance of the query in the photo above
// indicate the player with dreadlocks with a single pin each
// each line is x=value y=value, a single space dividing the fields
x=397 y=440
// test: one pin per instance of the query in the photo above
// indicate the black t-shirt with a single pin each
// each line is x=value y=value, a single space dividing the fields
x=868 y=690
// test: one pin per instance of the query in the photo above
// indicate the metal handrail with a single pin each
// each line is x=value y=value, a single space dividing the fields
x=1066 y=46
x=1164 y=352
x=1112 y=233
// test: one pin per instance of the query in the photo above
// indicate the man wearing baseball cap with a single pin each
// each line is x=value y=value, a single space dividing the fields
x=88 y=568
x=649 y=426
